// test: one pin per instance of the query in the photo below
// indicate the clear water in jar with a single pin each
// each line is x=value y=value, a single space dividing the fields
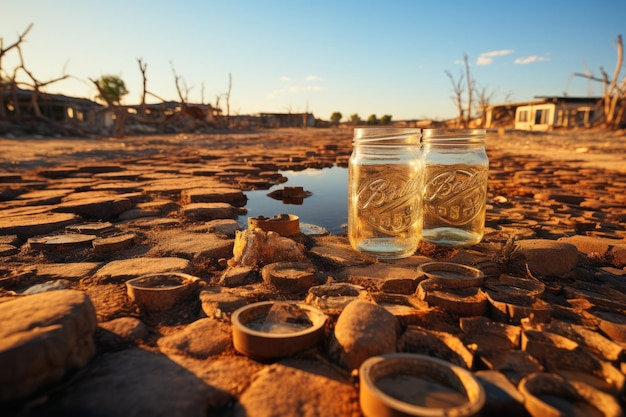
x=384 y=218
x=454 y=204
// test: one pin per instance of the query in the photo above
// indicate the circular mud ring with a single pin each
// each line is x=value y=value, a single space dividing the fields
x=161 y=292
x=406 y=384
x=250 y=339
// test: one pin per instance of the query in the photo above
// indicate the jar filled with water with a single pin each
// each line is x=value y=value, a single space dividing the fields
x=385 y=179
x=455 y=186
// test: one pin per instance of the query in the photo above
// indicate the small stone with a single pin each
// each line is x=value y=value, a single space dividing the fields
x=339 y=255
x=334 y=296
x=154 y=223
x=218 y=304
x=256 y=247
x=208 y=211
x=113 y=243
x=613 y=250
x=122 y=270
x=59 y=284
x=224 y=227
x=386 y=277
x=232 y=196
x=547 y=257
x=39 y=346
x=363 y=330
x=201 y=339
x=172 y=187
x=128 y=330
x=289 y=277
x=323 y=392
x=95 y=228
x=72 y=270
x=193 y=246
x=239 y=275
x=29 y=225
x=61 y=242
x=313 y=230
x=101 y=208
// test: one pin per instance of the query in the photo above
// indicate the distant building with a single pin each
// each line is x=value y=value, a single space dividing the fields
x=273 y=120
x=167 y=110
x=544 y=113
x=18 y=102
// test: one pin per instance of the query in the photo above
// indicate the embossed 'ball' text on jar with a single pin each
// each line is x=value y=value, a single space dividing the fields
x=385 y=179
x=455 y=186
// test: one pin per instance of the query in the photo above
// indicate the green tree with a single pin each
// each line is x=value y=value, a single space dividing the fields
x=385 y=120
x=336 y=117
x=372 y=120
x=111 y=89
x=355 y=119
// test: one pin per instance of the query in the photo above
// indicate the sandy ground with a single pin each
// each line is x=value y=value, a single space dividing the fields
x=591 y=149
x=585 y=148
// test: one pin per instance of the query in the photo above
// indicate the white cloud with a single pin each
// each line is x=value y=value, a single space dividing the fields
x=293 y=89
x=483 y=60
x=297 y=89
x=289 y=87
x=531 y=59
x=486 y=58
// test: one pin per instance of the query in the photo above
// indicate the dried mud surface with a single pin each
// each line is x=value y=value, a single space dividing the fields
x=551 y=186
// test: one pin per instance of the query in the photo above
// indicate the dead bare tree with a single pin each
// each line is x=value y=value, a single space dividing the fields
x=179 y=89
x=457 y=88
x=483 y=97
x=36 y=85
x=230 y=87
x=471 y=84
x=10 y=81
x=194 y=115
x=613 y=103
x=143 y=66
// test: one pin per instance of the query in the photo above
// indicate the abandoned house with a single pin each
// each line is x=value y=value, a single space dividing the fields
x=19 y=103
x=544 y=113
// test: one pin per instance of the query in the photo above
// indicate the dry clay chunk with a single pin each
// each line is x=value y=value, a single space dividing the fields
x=42 y=337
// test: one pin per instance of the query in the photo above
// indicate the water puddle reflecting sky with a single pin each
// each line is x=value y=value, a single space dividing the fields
x=326 y=207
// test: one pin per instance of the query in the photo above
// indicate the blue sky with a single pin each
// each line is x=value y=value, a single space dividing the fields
x=363 y=57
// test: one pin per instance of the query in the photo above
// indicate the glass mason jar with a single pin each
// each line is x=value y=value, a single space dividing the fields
x=384 y=192
x=455 y=186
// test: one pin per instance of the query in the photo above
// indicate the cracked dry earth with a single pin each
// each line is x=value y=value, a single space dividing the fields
x=79 y=217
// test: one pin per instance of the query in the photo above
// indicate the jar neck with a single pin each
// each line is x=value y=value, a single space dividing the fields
x=454 y=145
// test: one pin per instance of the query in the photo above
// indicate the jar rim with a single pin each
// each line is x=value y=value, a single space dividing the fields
x=387 y=136
x=454 y=134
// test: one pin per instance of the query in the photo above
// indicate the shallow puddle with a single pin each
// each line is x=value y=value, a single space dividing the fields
x=326 y=207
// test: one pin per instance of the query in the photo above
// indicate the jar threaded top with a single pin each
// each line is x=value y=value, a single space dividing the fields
x=454 y=136
x=386 y=136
